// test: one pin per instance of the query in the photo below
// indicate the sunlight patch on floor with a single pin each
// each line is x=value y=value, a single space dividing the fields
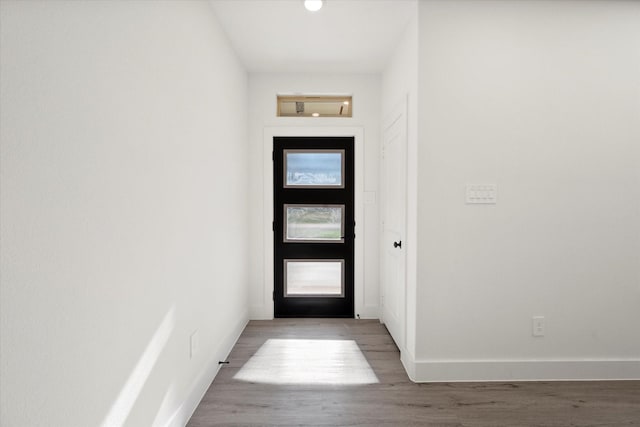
x=301 y=361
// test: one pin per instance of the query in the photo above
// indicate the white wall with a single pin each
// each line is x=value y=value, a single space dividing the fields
x=124 y=209
x=263 y=89
x=400 y=84
x=542 y=99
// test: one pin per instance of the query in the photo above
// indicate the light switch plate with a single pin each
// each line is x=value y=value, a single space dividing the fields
x=486 y=194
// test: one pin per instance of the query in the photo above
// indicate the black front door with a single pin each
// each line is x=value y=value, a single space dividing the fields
x=313 y=226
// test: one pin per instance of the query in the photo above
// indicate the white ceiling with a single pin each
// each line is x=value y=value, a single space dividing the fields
x=344 y=36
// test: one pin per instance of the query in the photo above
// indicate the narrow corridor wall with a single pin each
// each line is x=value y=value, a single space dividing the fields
x=542 y=99
x=124 y=210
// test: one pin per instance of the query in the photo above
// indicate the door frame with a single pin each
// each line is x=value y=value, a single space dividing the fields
x=268 y=272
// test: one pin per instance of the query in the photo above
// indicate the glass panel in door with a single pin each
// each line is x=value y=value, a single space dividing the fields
x=314 y=223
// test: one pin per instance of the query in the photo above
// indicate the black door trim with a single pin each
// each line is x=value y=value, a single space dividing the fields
x=314 y=306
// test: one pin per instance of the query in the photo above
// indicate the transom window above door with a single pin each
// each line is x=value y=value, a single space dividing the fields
x=315 y=106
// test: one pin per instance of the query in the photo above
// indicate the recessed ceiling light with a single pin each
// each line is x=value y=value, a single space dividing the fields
x=346 y=102
x=313 y=5
x=315 y=114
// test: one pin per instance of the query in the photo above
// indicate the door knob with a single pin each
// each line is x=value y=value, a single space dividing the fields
x=397 y=244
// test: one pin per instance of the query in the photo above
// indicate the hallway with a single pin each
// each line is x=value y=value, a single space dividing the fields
x=394 y=400
x=494 y=225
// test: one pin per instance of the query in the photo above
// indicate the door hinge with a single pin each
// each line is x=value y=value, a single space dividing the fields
x=273 y=226
x=273 y=296
x=273 y=155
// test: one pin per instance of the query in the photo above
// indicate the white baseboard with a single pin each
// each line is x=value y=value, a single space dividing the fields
x=408 y=361
x=261 y=312
x=368 y=312
x=200 y=386
x=520 y=370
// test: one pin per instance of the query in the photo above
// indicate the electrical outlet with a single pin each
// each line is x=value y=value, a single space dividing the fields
x=538 y=326
x=194 y=343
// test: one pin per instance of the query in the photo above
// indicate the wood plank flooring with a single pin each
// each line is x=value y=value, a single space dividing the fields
x=395 y=400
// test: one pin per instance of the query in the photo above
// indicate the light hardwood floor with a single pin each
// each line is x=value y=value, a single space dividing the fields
x=318 y=399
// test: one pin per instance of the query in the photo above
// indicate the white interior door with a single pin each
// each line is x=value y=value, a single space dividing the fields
x=394 y=213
